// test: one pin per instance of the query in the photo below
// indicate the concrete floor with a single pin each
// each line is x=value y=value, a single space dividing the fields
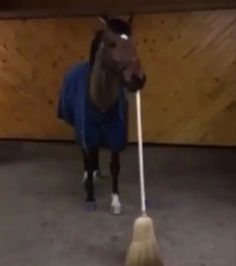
x=192 y=196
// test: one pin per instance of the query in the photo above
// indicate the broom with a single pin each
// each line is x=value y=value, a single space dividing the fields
x=144 y=250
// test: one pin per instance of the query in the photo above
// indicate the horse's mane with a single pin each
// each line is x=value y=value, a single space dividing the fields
x=118 y=26
x=94 y=46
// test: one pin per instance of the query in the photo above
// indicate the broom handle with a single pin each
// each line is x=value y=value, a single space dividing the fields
x=140 y=149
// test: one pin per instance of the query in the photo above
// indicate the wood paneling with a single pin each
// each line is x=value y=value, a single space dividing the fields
x=190 y=60
x=55 y=8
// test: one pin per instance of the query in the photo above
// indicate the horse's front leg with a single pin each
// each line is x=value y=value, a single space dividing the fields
x=95 y=163
x=90 y=157
x=116 y=207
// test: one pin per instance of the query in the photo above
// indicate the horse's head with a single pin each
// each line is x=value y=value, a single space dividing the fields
x=119 y=54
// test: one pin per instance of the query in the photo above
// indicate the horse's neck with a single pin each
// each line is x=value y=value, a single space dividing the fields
x=104 y=86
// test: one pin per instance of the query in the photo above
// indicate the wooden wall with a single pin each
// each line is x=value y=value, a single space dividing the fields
x=190 y=60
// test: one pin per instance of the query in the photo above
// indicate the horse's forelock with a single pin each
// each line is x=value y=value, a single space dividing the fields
x=119 y=26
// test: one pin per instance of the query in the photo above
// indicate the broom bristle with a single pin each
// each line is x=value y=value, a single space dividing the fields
x=144 y=250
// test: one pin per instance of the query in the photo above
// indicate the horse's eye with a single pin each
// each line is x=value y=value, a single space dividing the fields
x=112 y=44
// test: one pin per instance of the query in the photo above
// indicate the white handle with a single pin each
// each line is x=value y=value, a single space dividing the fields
x=140 y=151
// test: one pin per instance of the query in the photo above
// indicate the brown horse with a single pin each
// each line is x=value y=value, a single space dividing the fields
x=114 y=67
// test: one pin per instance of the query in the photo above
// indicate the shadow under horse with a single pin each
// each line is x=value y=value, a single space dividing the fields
x=93 y=100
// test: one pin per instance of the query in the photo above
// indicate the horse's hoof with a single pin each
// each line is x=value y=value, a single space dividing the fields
x=90 y=206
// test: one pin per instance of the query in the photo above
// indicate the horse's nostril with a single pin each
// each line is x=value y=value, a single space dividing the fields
x=135 y=77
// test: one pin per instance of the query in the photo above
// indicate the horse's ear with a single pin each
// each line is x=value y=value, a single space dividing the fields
x=103 y=19
x=130 y=19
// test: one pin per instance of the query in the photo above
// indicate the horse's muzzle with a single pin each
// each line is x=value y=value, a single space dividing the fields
x=135 y=83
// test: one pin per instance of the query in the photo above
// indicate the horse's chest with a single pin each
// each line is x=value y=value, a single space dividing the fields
x=104 y=94
x=96 y=116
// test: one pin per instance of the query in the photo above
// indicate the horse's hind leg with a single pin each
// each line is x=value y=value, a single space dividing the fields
x=90 y=160
x=116 y=207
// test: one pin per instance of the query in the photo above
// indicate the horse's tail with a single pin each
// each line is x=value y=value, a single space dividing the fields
x=65 y=103
x=60 y=106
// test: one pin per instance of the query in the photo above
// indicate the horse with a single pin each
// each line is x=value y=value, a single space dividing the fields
x=93 y=100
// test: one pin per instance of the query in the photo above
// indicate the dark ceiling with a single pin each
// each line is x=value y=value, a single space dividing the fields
x=55 y=8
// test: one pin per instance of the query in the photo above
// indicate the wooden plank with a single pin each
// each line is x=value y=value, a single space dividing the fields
x=53 y=8
x=189 y=58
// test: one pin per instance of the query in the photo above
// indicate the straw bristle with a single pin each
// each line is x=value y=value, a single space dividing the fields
x=144 y=250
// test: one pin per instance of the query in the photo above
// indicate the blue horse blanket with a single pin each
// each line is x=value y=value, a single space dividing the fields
x=93 y=129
